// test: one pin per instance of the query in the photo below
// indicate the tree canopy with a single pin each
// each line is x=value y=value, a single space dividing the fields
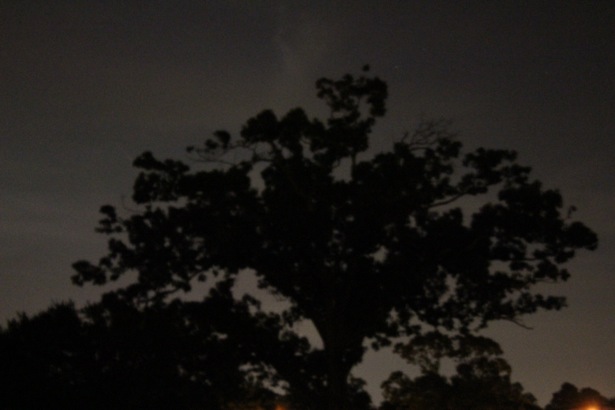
x=421 y=240
x=114 y=356
x=479 y=384
x=570 y=397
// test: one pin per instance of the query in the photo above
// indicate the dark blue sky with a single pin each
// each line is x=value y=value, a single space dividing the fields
x=85 y=86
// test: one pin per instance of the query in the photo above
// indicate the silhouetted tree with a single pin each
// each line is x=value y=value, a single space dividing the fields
x=115 y=356
x=40 y=361
x=569 y=397
x=480 y=384
x=366 y=246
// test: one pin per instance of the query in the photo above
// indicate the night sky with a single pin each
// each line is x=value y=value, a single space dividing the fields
x=85 y=86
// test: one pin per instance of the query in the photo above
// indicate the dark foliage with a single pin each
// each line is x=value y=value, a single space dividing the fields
x=422 y=239
x=114 y=356
x=480 y=384
x=570 y=397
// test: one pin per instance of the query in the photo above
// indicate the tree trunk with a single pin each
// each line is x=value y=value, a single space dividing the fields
x=334 y=344
x=337 y=378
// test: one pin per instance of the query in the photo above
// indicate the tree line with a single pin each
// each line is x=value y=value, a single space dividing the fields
x=121 y=358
